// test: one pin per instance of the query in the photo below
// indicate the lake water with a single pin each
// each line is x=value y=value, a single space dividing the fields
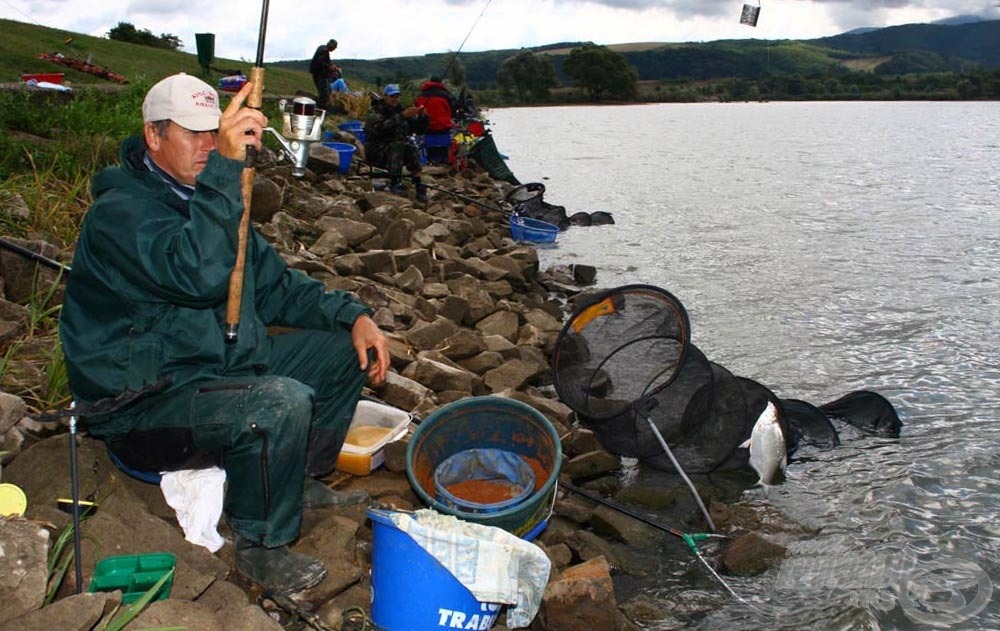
x=819 y=248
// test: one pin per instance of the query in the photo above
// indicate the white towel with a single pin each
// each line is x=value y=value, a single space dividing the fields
x=490 y=562
x=196 y=497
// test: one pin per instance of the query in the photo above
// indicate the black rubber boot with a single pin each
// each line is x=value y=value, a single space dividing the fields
x=278 y=568
x=315 y=494
x=421 y=190
x=396 y=187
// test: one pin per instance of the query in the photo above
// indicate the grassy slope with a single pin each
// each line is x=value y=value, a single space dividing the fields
x=20 y=43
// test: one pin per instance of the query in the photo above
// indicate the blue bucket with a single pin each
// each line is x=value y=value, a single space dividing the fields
x=528 y=230
x=493 y=423
x=412 y=591
x=345 y=151
x=355 y=128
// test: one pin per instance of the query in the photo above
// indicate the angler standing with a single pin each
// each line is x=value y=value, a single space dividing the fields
x=322 y=69
x=144 y=315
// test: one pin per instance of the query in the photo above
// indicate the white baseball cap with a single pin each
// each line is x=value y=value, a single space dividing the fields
x=186 y=100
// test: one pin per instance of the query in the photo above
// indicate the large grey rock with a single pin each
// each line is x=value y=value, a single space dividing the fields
x=750 y=555
x=266 y=199
x=355 y=232
x=482 y=363
x=12 y=410
x=461 y=344
x=512 y=374
x=500 y=344
x=582 y=599
x=591 y=464
x=416 y=257
x=502 y=323
x=616 y=526
x=378 y=261
x=24 y=278
x=440 y=377
x=403 y=392
x=330 y=243
x=79 y=612
x=431 y=335
x=24 y=549
x=398 y=235
x=455 y=308
x=410 y=280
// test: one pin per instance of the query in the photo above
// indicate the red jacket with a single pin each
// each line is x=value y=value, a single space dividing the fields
x=437 y=103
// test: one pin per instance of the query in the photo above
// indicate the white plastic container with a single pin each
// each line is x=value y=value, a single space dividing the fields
x=373 y=427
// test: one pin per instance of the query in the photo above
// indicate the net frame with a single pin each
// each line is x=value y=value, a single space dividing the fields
x=583 y=398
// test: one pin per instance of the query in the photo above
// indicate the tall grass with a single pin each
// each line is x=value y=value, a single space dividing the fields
x=64 y=135
x=33 y=366
x=50 y=146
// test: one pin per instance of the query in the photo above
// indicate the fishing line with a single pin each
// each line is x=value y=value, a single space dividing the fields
x=455 y=56
x=30 y=19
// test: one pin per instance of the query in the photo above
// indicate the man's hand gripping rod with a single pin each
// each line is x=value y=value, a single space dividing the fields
x=254 y=100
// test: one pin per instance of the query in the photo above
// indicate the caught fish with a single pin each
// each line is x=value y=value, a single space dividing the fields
x=768 y=452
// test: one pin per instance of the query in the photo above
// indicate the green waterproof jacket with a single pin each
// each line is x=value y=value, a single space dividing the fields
x=147 y=295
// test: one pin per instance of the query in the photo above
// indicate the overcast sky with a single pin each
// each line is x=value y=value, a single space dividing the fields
x=373 y=29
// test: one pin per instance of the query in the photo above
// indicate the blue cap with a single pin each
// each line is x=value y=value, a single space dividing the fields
x=392 y=88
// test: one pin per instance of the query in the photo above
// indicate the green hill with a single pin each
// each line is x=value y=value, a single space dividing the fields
x=914 y=48
x=21 y=43
x=977 y=43
x=942 y=48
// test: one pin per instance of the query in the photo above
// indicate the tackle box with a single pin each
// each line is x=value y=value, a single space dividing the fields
x=134 y=575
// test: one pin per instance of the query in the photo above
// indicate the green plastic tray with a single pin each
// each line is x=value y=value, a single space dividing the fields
x=134 y=575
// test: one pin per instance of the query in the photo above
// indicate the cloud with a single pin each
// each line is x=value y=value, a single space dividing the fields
x=375 y=29
x=721 y=8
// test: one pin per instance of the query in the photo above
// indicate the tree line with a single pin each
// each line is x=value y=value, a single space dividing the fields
x=127 y=32
x=597 y=74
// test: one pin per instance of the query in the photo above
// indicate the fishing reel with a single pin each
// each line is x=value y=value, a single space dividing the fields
x=302 y=126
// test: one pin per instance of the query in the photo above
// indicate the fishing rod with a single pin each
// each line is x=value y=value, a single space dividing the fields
x=690 y=539
x=625 y=511
x=35 y=256
x=455 y=55
x=254 y=100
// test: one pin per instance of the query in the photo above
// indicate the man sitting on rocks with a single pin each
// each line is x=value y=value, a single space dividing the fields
x=437 y=101
x=388 y=128
x=143 y=324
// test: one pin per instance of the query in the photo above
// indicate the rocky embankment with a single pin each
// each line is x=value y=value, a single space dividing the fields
x=467 y=311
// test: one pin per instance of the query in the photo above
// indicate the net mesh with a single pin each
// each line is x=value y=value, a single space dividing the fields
x=624 y=359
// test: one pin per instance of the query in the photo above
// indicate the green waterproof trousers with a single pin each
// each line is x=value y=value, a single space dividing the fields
x=267 y=431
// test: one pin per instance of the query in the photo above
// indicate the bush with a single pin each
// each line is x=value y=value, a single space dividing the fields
x=126 y=32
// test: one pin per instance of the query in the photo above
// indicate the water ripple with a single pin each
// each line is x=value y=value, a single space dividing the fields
x=856 y=249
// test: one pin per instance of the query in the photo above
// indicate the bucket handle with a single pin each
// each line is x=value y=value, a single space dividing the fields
x=552 y=506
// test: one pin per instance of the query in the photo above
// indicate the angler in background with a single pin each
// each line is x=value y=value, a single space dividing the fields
x=439 y=104
x=388 y=128
x=323 y=72
x=143 y=325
